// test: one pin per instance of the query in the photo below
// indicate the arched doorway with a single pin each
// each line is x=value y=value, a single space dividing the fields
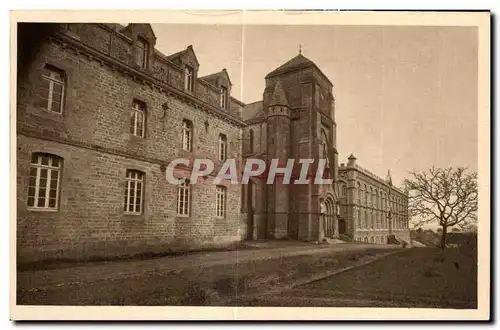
x=329 y=217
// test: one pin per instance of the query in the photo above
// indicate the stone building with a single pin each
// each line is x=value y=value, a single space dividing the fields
x=295 y=119
x=372 y=209
x=101 y=113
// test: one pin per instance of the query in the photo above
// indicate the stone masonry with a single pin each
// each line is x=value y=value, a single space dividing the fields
x=107 y=71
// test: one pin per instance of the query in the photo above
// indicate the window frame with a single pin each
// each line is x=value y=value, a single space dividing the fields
x=50 y=169
x=52 y=81
x=183 y=195
x=136 y=181
x=139 y=108
x=222 y=147
x=224 y=97
x=143 y=52
x=343 y=190
x=187 y=135
x=220 y=201
x=189 y=78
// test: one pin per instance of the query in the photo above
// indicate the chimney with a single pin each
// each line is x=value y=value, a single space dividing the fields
x=352 y=161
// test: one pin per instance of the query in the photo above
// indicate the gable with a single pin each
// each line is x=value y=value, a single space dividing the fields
x=189 y=57
x=143 y=29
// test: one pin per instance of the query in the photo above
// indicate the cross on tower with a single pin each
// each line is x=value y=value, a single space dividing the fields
x=300 y=49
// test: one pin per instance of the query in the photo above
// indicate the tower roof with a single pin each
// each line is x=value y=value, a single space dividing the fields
x=279 y=96
x=296 y=63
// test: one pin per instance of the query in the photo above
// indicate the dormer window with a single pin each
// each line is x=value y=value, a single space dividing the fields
x=188 y=78
x=142 y=53
x=223 y=97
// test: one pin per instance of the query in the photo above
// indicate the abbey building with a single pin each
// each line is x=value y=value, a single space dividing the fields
x=101 y=113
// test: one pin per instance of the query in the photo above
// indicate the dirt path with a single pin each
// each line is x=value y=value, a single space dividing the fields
x=112 y=271
x=212 y=278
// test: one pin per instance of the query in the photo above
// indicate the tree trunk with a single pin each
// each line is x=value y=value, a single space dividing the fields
x=443 y=238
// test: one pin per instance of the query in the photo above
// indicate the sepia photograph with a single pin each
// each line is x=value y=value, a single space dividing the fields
x=337 y=163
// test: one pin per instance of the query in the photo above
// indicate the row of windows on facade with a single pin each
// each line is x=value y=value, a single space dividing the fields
x=45 y=182
x=142 y=60
x=53 y=92
x=379 y=221
x=376 y=198
x=54 y=85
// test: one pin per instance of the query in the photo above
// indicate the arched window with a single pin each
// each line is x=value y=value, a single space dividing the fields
x=183 y=198
x=365 y=220
x=44 y=181
x=137 y=118
x=324 y=144
x=366 y=195
x=359 y=193
x=250 y=142
x=359 y=219
x=187 y=135
x=134 y=184
x=222 y=147
x=53 y=89
x=343 y=190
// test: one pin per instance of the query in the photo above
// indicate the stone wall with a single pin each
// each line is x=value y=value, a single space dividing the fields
x=92 y=136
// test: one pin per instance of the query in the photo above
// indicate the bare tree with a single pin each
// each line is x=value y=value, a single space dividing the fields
x=445 y=196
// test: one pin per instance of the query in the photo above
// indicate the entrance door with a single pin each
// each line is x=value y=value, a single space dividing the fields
x=330 y=214
x=341 y=226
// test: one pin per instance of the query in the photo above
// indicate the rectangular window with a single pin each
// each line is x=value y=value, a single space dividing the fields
x=43 y=186
x=183 y=198
x=52 y=89
x=223 y=97
x=220 y=202
x=222 y=147
x=188 y=78
x=187 y=135
x=134 y=184
x=142 y=53
x=137 y=118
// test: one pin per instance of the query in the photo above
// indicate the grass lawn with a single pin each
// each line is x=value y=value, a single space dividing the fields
x=420 y=277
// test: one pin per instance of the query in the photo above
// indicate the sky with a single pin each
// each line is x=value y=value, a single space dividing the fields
x=406 y=96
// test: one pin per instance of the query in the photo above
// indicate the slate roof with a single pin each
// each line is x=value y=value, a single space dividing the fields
x=252 y=110
x=296 y=63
